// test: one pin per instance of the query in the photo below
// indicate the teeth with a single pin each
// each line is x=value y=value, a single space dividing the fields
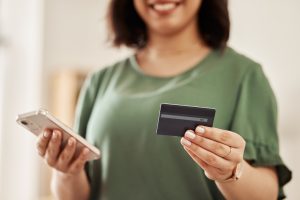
x=164 y=7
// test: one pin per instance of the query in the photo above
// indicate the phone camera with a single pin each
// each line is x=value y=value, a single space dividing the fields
x=24 y=123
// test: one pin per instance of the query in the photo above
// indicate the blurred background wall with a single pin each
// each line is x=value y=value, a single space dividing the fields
x=44 y=38
x=21 y=33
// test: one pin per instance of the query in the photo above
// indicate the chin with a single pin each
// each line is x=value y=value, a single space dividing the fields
x=167 y=16
x=166 y=31
x=169 y=28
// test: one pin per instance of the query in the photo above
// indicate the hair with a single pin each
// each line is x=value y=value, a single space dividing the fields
x=127 y=28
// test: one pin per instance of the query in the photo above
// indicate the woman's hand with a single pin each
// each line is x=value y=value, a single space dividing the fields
x=62 y=159
x=216 y=151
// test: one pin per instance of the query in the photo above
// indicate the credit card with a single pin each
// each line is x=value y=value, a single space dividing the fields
x=175 y=120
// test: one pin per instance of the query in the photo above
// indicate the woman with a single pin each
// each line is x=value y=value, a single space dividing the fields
x=181 y=57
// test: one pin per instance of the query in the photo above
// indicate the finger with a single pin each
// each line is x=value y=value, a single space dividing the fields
x=208 y=157
x=66 y=155
x=225 y=137
x=214 y=174
x=42 y=142
x=200 y=162
x=53 y=148
x=78 y=164
x=222 y=150
x=211 y=172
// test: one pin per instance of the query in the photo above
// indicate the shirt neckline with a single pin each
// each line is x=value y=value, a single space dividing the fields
x=198 y=66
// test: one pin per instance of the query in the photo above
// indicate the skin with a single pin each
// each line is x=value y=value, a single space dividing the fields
x=210 y=149
x=174 y=46
x=68 y=169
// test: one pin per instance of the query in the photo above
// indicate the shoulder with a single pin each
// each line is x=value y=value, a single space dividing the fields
x=240 y=61
x=249 y=73
x=239 y=65
x=108 y=71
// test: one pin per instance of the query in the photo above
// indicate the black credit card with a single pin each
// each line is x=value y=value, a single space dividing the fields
x=174 y=119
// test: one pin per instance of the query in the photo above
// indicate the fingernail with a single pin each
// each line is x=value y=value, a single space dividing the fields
x=200 y=129
x=46 y=134
x=86 y=151
x=70 y=142
x=190 y=134
x=58 y=133
x=185 y=142
x=54 y=136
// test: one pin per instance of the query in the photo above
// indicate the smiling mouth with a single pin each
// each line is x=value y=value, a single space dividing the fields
x=165 y=6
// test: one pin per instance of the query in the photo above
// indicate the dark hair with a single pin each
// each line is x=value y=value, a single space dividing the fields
x=127 y=27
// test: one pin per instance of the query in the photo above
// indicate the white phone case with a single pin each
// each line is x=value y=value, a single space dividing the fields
x=37 y=121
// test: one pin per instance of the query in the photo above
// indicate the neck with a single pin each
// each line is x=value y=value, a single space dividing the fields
x=181 y=42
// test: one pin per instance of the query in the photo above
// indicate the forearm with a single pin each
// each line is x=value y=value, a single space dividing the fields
x=70 y=186
x=255 y=183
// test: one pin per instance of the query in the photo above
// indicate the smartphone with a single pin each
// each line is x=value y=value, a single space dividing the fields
x=37 y=121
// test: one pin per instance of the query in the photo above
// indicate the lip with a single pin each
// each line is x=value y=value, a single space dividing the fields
x=163 y=1
x=153 y=3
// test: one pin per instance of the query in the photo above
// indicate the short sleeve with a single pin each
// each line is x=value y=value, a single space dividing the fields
x=85 y=104
x=255 y=119
x=90 y=91
x=88 y=94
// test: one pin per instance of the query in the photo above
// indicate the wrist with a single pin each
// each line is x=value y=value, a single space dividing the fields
x=67 y=176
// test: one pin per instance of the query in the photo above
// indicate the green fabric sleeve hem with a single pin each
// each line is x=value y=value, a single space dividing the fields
x=265 y=155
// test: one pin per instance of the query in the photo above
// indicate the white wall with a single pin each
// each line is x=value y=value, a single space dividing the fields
x=21 y=72
x=269 y=31
x=2 y=61
x=75 y=35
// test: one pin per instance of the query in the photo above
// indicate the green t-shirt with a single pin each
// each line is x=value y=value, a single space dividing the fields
x=118 y=110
